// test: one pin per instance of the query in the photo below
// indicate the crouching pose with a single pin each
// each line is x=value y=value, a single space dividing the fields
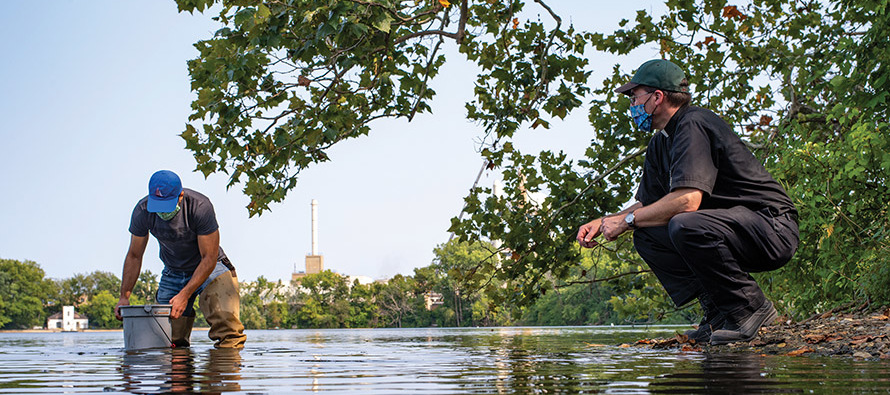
x=707 y=212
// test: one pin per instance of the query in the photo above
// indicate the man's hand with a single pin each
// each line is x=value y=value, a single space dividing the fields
x=613 y=227
x=179 y=302
x=588 y=232
x=117 y=308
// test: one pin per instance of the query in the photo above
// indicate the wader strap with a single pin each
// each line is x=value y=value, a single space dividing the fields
x=228 y=264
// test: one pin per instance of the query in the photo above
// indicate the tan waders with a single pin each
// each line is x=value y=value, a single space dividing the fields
x=181 y=331
x=221 y=305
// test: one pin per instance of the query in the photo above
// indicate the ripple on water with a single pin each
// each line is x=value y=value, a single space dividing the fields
x=428 y=360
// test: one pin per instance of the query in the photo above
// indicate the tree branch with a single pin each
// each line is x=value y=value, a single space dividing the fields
x=599 y=280
x=592 y=182
x=461 y=26
x=425 y=33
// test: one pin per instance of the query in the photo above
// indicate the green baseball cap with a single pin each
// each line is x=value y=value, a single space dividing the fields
x=659 y=74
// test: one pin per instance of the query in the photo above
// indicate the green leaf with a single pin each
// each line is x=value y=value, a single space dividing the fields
x=384 y=24
x=263 y=12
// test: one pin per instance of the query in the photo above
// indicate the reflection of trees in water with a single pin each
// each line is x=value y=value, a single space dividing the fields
x=176 y=370
x=526 y=363
x=723 y=374
x=519 y=366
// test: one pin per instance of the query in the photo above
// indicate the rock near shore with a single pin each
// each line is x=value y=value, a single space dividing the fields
x=854 y=333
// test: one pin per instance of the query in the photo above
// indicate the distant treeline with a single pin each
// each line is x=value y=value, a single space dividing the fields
x=435 y=295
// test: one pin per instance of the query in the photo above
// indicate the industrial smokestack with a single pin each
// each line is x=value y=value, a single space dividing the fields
x=314 y=227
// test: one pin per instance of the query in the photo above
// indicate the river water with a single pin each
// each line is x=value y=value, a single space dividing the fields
x=418 y=361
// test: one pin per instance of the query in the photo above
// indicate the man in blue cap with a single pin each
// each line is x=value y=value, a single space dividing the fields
x=707 y=212
x=184 y=223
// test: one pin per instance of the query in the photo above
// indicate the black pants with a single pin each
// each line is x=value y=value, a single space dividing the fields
x=714 y=250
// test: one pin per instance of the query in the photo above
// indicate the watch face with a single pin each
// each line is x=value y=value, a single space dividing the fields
x=629 y=219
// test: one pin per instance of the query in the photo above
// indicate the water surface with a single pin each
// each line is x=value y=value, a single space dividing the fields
x=426 y=361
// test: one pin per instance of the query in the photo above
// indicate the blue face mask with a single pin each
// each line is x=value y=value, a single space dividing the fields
x=641 y=118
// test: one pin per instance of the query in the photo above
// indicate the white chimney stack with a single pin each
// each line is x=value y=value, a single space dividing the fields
x=314 y=227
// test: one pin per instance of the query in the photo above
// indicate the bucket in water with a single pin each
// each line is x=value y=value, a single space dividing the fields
x=146 y=326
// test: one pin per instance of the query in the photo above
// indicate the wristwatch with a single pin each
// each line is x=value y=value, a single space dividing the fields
x=630 y=220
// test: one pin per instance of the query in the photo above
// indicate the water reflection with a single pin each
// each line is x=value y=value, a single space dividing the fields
x=723 y=374
x=442 y=361
x=179 y=370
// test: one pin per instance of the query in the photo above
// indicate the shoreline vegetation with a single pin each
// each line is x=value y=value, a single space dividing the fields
x=856 y=332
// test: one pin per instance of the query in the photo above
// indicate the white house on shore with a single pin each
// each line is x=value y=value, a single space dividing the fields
x=67 y=320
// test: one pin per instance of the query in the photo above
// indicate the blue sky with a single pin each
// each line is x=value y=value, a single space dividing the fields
x=95 y=93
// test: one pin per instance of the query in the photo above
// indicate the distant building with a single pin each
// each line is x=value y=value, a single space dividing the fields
x=67 y=320
x=363 y=280
x=432 y=300
x=314 y=261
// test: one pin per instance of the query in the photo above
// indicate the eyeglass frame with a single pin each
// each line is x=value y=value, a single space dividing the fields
x=633 y=98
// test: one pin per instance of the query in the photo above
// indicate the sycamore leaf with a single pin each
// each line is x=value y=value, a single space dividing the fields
x=732 y=11
x=444 y=3
x=765 y=120
x=385 y=24
x=263 y=12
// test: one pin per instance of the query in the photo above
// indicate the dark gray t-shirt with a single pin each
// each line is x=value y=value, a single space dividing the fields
x=699 y=150
x=178 y=237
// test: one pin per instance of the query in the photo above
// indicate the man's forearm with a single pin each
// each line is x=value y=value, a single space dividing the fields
x=661 y=212
x=628 y=210
x=208 y=263
x=132 y=267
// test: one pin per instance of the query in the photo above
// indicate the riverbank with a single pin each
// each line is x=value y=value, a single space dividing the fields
x=857 y=332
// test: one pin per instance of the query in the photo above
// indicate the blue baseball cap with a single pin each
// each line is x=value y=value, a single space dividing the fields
x=164 y=188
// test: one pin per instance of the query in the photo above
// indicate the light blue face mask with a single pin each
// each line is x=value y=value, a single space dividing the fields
x=641 y=118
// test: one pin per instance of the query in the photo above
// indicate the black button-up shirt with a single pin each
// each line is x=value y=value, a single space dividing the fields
x=697 y=149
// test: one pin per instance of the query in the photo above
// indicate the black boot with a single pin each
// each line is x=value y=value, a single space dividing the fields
x=745 y=329
x=713 y=320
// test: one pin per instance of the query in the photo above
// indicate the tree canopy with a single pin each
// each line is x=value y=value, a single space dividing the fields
x=804 y=82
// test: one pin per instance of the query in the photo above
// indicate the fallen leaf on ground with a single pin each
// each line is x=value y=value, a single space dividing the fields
x=799 y=351
x=595 y=345
x=690 y=348
x=667 y=343
x=813 y=339
x=625 y=345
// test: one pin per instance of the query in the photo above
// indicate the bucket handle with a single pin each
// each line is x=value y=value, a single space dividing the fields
x=161 y=327
x=154 y=317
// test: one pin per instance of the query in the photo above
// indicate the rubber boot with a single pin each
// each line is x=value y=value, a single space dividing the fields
x=221 y=305
x=181 y=331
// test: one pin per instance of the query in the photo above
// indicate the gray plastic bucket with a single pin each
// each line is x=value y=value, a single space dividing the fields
x=146 y=326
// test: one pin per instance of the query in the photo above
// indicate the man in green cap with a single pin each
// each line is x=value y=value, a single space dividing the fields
x=707 y=212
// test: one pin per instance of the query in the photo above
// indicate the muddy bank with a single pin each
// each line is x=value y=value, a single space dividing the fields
x=855 y=332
